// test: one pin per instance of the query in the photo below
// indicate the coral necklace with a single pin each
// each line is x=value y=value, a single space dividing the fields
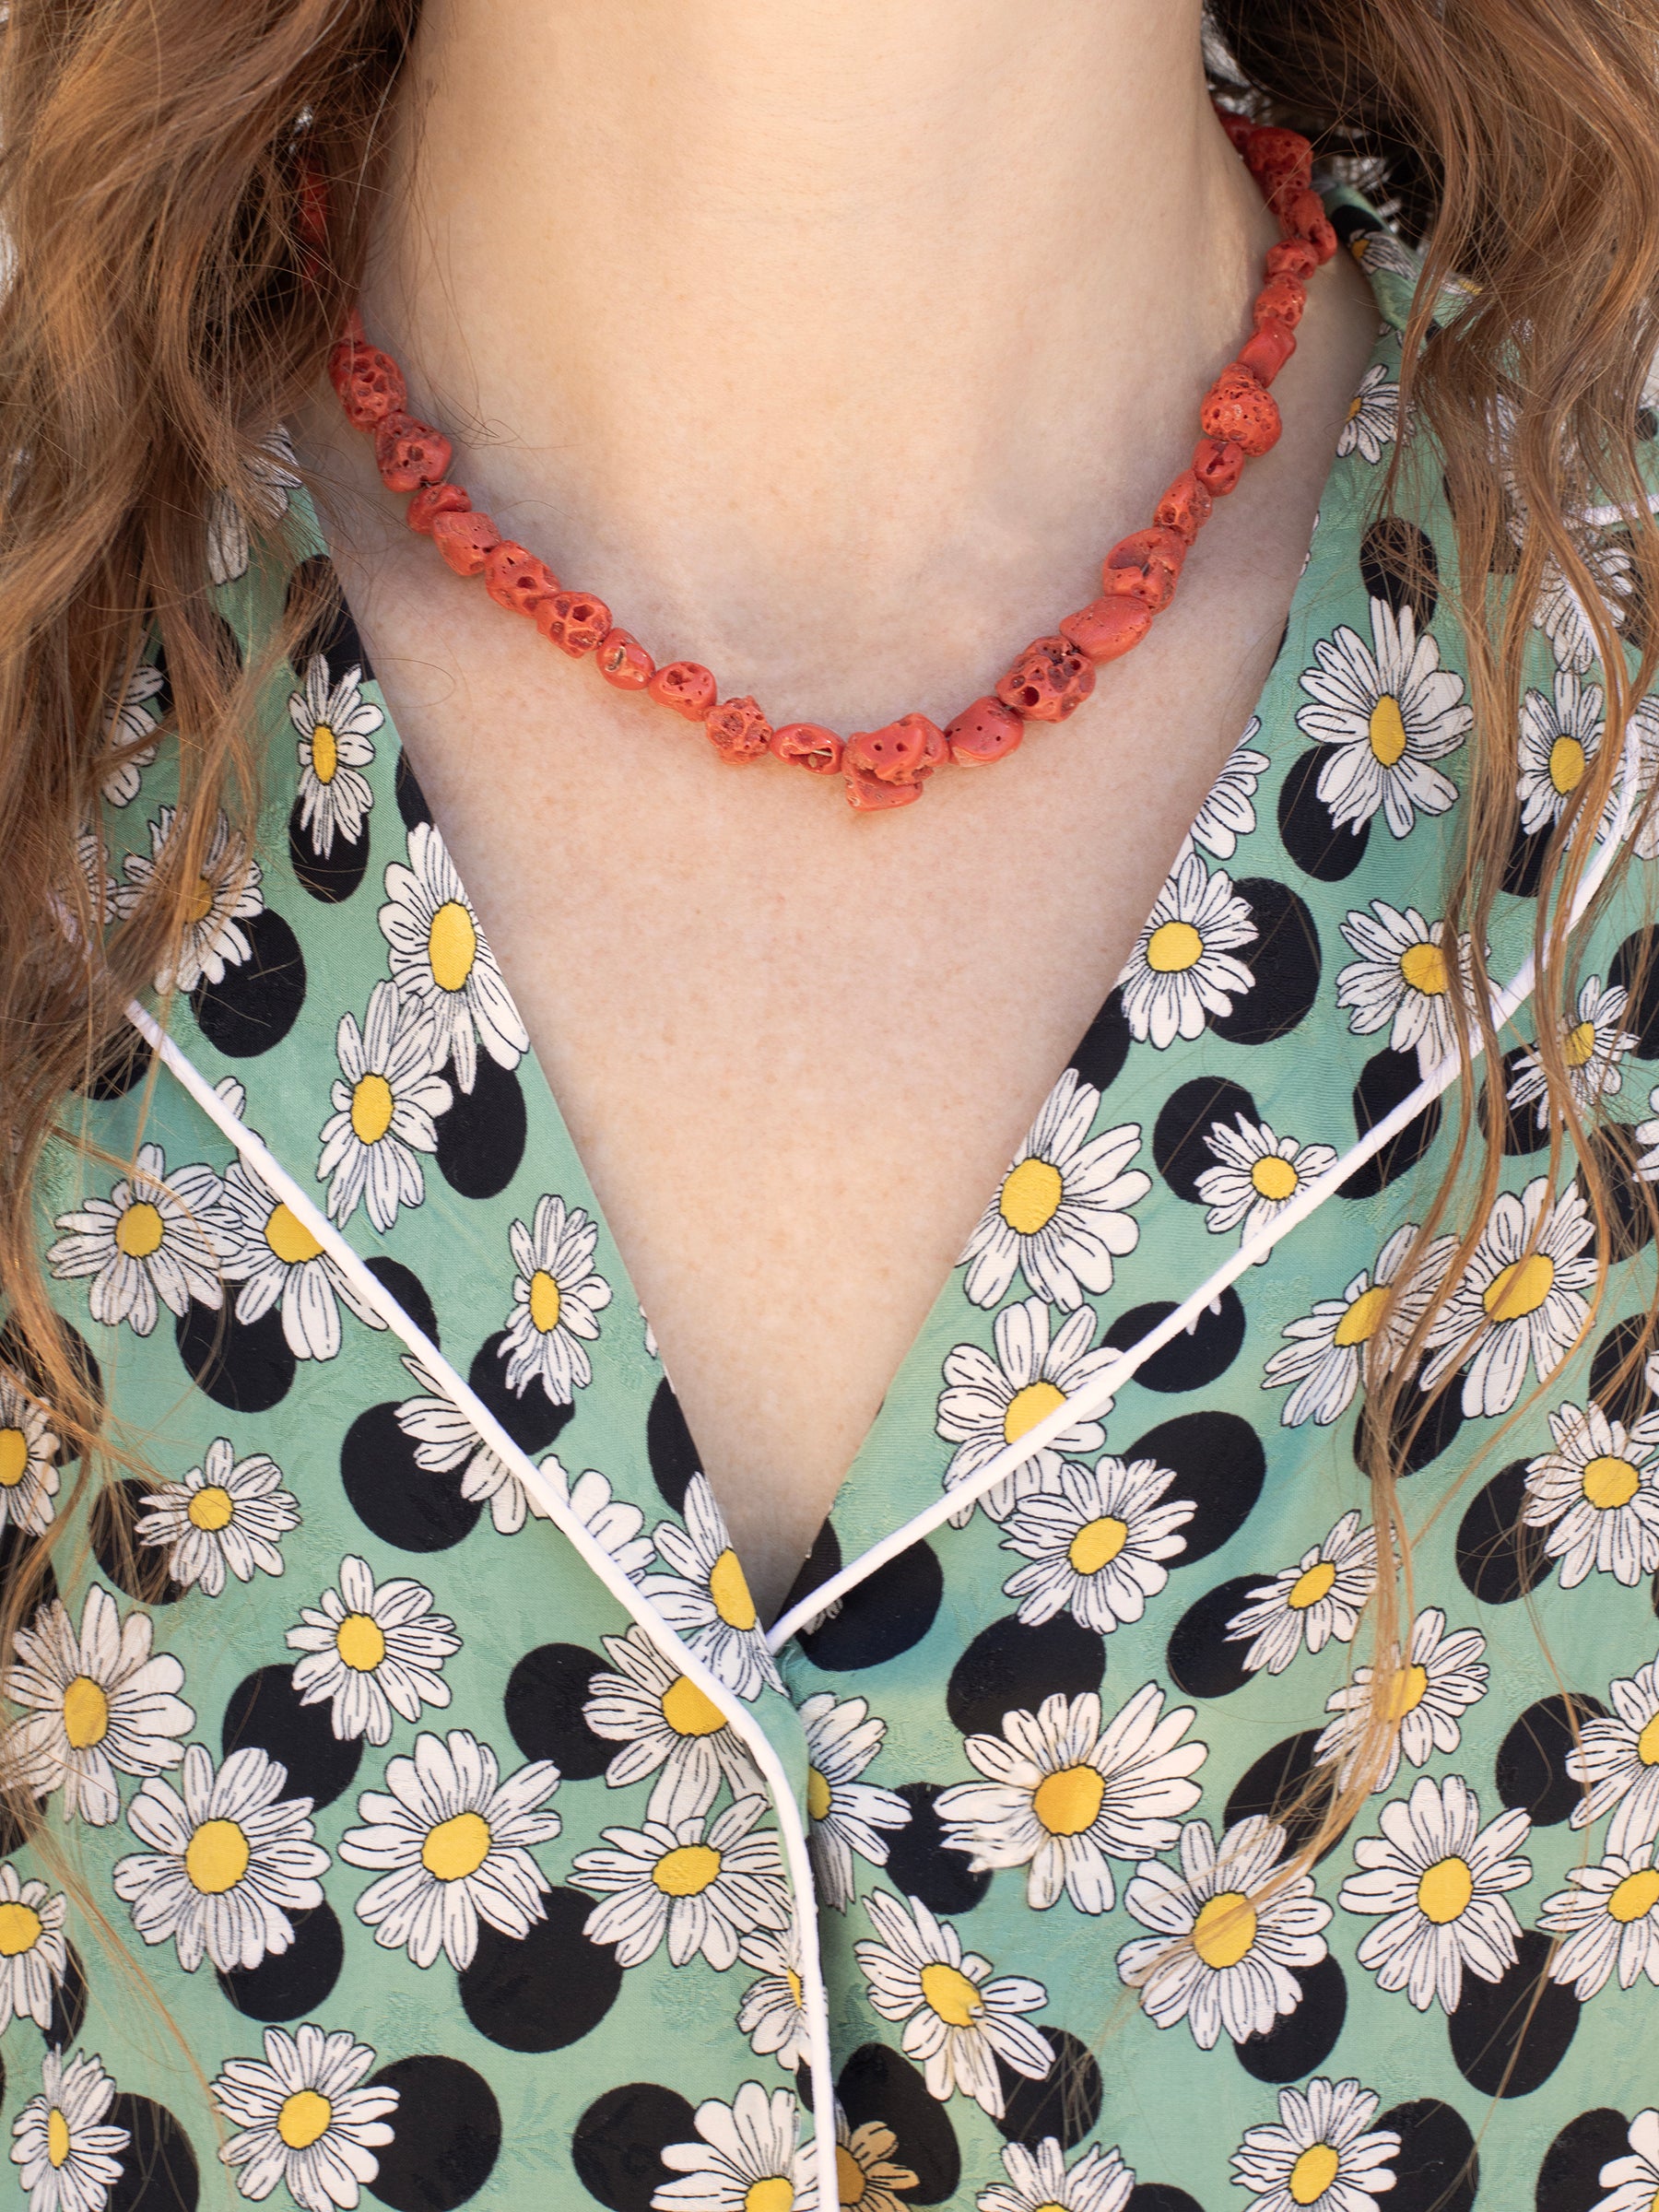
x=887 y=768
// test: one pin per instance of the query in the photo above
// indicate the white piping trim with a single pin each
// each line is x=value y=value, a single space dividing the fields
x=551 y=1506
x=1096 y=1394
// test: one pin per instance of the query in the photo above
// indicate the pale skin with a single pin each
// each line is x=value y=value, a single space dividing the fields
x=832 y=342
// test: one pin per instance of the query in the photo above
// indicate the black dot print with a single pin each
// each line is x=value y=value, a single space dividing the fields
x=1498 y=1558
x=919 y=1866
x=24 y=1559
x=125 y=1064
x=1194 y=1357
x=1201 y=1660
x=1286 y=1785
x=256 y=1004
x=1509 y=2037
x=1284 y=960
x=878 y=2084
x=1219 y=1464
x=404 y=1504
x=889 y=1612
x=1623 y=1398
x=315 y=596
x=1516 y=1128
x=672 y=1452
x=1313 y=842
x=158 y=2170
x=1011 y=1667
x=481 y=1138
x=409 y=1290
x=1105 y=1045
x=1437 y=2168
x=1185 y=1120
x=141 y=1570
x=447 y=2134
x=68 y=2005
x=1635 y=968
x=1300 y=2043
x=531 y=1421
x=1386 y=1079
x=823 y=1560
x=1159 y=2197
x=1423 y=1426
x=1065 y=2104
x=1569 y=2176
x=1398 y=564
x=1632 y=1205
x=545 y=1990
x=333 y=876
x=265 y=1710
x=411 y=799
x=245 y=1365
x=618 y=2145
x=293 y=1984
x=21 y=1819
x=1638 y=605
x=16 y=1359
x=1524 y=867
x=544 y=1695
x=1532 y=1759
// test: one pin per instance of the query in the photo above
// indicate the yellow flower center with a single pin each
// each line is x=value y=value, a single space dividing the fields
x=1069 y=1801
x=1313 y=2173
x=1357 y=402
x=1026 y=1407
x=1424 y=968
x=949 y=1994
x=851 y=2181
x=1407 y=1691
x=451 y=946
x=818 y=1796
x=19 y=1929
x=1272 y=1177
x=456 y=1848
x=687 y=1712
x=199 y=905
x=1225 y=1929
x=1609 y=1481
x=57 y=2136
x=1567 y=764
x=1387 y=730
x=1636 y=1896
x=544 y=1302
x=303 y=2118
x=1097 y=1544
x=290 y=1238
x=361 y=1642
x=1445 y=1889
x=1521 y=1288
x=372 y=1105
x=86 y=1714
x=1311 y=1585
x=796 y=1992
x=1173 y=948
x=1579 y=1044
x=1647 y=1743
x=774 y=2194
x=1030 y=1196
x=688 y=1871
x=731 y=1592
x=140 y=1230
x=215 y=1857
x=14 y=1458
x=1364 y=1318
x=325 y=753
x=210 y=1508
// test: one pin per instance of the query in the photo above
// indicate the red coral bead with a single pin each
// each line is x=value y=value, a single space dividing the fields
x=1145 y=566
x=1238 y=127
x=1292 y=257
x=809 y=744
x=1050 y=680
x=739 y=730
x=623 y=661
x=466 y=541
x=515 y=579
x=370 y=383
x=410 y=453
x=574 y=622
x=1240 y=406
x=1304 y=215
x=687 y=687
x=905 y=752
x=1273 y=154
x=984 y=732
x=1107 y=629
x=1266 y=350
x=1280 y=300
x=1185 y=507
x=431 y=501
x=869 y=795
x=1218 y=463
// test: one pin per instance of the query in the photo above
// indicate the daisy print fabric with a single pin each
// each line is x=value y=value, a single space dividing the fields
x=392 y=1707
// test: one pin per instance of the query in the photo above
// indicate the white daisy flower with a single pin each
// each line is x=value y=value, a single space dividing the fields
x=372 y=1650
x=1319 y=2158
x=134 y=722
x=28 y=1448
x=1357 y=1335
x=667 y=1728
x=1380 y=252
x=1256 y=1176
x=1617 y=1758
x=1609 y=1917
x=870 y=2177
x=1561 y=614
x=1320 y=1597
x=1597 y=1493
x=846 y=1815
x=61 y=2143
x=1561 y=736
x=1039 y=2181
x=649 y=1335
x=89 y=851
x=1403 y=980
x=1441 y=1878
x=269 y=1251
x=304 y=2119
x=455 y=1840
x=96 y=1703
x=958 y=2021
x=989 y=1402
x=613 y=1523
x=1183 y=970
x=229 y=1514
x=150 y=1243
x=383 y=1110
x=1644 y=724
x=1442 y=1677
x=1228 y=811
x=1521 y=1298
x=441 y=960
x=226 y=894
x=1386 y=715
x=1059 y=1216
x=1634 y=2181
x=230 y=1859
x=772 y=2012
x=556 y=1294
x=334 y=724
x=1214 y=1960
x=1593 y=1047
x=1647 y=1135
x=706 y=1598
x=446 y=1443
x=34 y=1957
x=1065 y=1791
x=747 y=2157
x=699 y=1886
x=1373 y=418
x=1097 y=1545
x=272 y=472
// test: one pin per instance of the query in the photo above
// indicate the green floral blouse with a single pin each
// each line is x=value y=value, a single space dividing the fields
x=417 y=1735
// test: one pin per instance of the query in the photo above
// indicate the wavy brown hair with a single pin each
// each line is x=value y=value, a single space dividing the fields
x=158 y=319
